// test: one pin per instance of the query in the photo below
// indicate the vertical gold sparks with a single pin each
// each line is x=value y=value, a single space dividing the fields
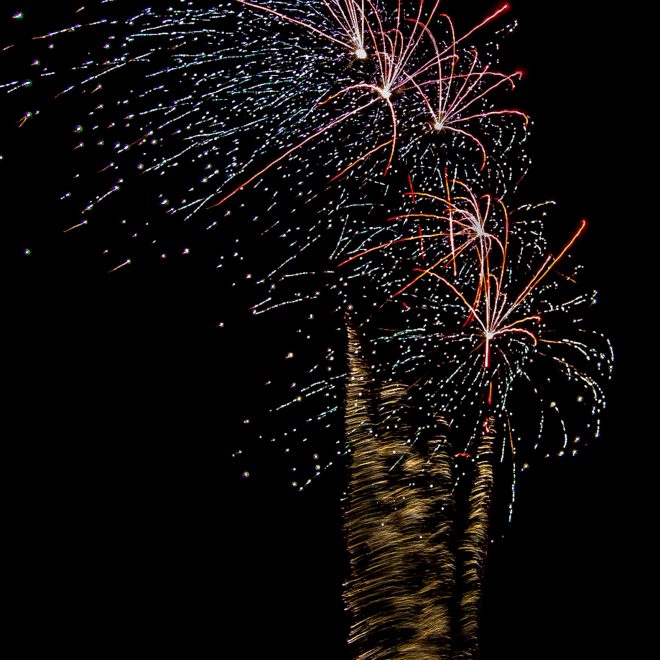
x=416 y=561
x=473 y=547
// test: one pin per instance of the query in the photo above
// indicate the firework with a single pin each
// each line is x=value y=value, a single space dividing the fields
x=355 y=161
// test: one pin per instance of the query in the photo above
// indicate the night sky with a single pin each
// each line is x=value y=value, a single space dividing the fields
x=128 y=523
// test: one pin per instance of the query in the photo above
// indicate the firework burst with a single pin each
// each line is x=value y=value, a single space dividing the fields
x=367 y=141
x=365 y=86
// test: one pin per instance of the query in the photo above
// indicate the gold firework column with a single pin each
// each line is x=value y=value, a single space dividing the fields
x=417 y=558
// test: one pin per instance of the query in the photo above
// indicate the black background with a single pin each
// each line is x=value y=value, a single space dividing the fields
x=129 y=527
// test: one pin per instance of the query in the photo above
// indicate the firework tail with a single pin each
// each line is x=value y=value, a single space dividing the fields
x=473 y=548
x=417 y=559
x=433 y=634
x=375 y=566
